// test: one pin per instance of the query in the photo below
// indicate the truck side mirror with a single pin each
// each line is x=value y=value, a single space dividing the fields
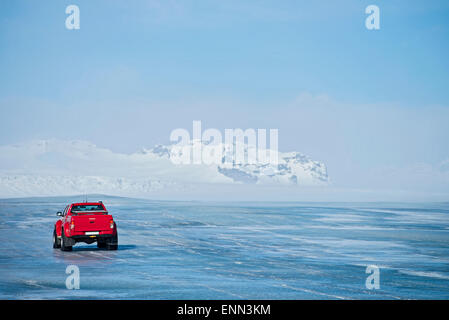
x=59 y=214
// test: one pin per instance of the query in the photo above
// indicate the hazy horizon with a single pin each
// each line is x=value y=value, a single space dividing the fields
x=372 y=105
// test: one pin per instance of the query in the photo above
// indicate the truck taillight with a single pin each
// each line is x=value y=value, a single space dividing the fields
x=72 y=225
x=111 y=224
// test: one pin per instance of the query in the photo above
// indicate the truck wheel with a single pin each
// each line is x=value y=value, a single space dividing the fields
x=56 y=241
x=64 y=247
x=112 y=243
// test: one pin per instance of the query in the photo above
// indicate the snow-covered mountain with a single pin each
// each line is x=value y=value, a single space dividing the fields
x=291 y=168
x=57 y=167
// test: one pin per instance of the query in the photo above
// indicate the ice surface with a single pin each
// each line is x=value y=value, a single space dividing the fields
x=194 y=250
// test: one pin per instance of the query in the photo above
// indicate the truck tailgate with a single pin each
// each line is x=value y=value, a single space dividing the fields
x=91 y=222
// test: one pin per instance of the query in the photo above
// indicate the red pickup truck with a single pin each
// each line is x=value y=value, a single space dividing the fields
x=85 y=222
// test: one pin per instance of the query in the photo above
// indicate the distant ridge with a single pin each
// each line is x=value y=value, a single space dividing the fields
x=59 y=167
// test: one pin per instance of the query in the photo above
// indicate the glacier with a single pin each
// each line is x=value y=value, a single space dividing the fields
x=250 y=250
x=61 y=167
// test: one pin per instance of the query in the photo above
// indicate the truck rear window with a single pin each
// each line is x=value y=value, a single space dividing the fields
x=87 y=208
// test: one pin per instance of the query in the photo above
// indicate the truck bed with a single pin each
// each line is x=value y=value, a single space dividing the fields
x=92 y=221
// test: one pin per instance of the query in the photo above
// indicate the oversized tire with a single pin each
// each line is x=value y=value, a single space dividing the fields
x=64 y=246
x=56 y=240
x=112 y=243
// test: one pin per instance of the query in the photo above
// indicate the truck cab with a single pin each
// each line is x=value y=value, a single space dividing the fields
x=86 y=222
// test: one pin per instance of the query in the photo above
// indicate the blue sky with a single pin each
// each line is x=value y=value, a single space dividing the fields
x=360 y=101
